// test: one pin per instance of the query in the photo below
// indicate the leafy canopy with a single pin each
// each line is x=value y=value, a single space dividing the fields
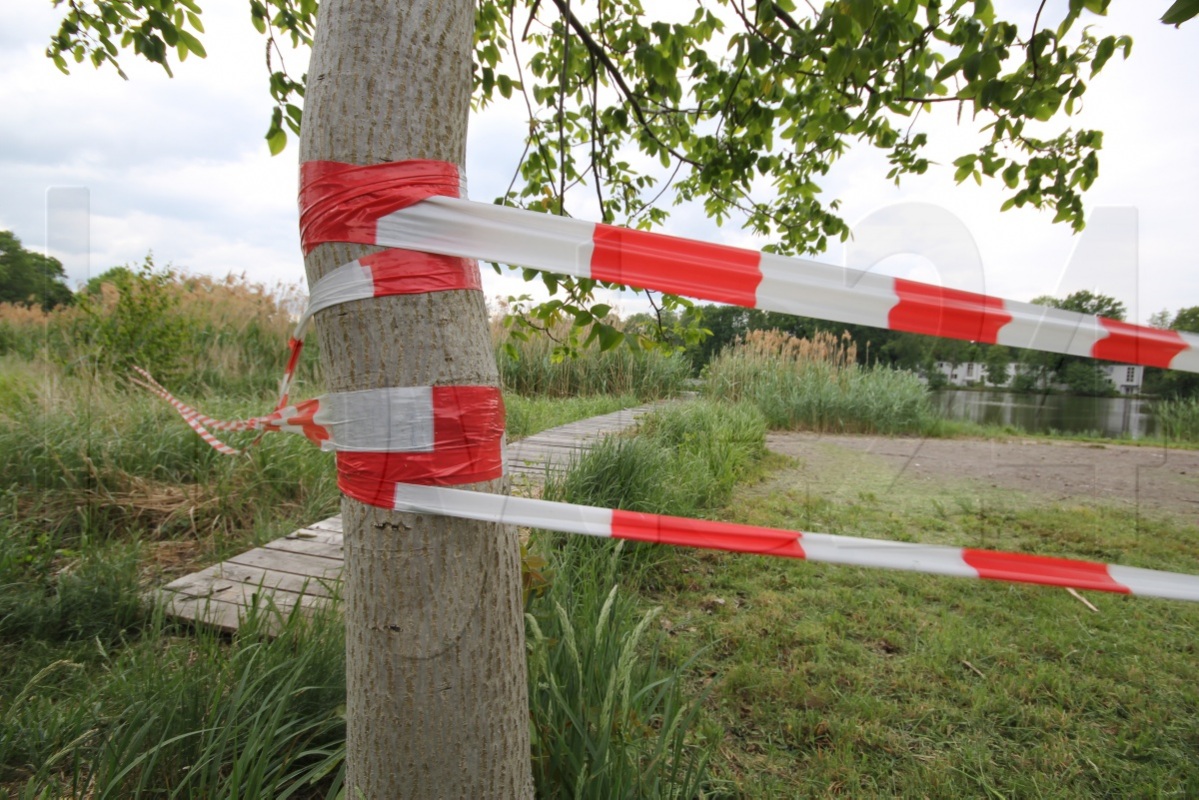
x=740 y=106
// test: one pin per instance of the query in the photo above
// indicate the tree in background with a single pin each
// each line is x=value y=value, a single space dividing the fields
x=996 y=364
x=30 y=278
x=1085 y=302
x=1086 y=378
x=1187 y=319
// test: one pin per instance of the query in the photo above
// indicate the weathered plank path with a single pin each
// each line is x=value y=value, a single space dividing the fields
x=304 y=567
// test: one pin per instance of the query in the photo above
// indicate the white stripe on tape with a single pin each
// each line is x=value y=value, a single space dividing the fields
x=349 y=282
x=880 y=553
x=379 y=420
x=504 y=235
x=520 y=511
x=809 y=288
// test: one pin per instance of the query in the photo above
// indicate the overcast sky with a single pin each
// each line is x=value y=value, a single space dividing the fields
x=179 y=167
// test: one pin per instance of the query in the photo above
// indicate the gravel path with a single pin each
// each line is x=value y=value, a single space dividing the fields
x=1151 y=479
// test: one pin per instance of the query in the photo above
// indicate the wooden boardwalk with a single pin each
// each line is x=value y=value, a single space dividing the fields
x=304 y=567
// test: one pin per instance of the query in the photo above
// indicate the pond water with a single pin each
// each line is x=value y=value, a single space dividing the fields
x=1035 y=413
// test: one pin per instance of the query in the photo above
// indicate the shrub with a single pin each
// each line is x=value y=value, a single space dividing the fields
x=195 y=333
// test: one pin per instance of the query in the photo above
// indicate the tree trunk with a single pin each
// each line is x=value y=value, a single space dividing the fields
x=436 y=688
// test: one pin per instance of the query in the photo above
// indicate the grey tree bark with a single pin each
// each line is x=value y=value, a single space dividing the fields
x=436 y=700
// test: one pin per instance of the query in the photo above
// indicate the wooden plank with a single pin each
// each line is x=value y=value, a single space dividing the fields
x=212 y=581
x=212 y=613
x=308 y=547
x=228 y=614
x=296 y=563
x=330 y=524
x=314 y=535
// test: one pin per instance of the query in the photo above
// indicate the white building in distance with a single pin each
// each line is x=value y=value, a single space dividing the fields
x=1124 y=378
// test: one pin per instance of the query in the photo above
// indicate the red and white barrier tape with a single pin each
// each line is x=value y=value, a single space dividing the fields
x=443 y=223
x=853 y=551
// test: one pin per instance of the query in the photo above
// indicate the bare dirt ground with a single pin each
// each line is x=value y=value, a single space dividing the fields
x=1151 y=480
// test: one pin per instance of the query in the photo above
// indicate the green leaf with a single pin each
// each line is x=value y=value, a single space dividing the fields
x=1011 y=176
x=609 y=337
x=192 y=43
x=276 y=140
x=1180 y=12
x=1107 y=46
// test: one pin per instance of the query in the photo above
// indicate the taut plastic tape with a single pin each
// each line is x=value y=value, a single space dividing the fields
x=752 y=279
x=847 y=550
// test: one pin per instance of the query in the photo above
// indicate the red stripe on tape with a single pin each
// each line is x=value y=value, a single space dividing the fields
x=936 y=311
x=468 y=436
x=371 y=477
x=343 y=202
x=1135 y=344
x=704 y=533
x=408 y=272
x=467 y=417
x=303 y=419
x=1042 y=569
x=679 y=266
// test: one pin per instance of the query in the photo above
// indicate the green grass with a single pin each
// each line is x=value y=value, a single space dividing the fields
x=755 y=678
x=99 y=695
x=609 y=716
x=682 y=459
x=836 y=680
x=171 y=712
x=1179 y=419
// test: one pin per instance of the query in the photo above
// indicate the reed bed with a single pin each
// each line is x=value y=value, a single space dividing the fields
x=195 y=333
x=816 y=384
x=538 y=366
x=1178 y=420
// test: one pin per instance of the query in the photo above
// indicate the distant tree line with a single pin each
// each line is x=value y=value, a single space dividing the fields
x=879 y=347
x=29 y=278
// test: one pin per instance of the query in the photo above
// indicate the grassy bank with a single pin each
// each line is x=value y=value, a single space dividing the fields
x=819 y=680
x=654 y=672
x=833 y=680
